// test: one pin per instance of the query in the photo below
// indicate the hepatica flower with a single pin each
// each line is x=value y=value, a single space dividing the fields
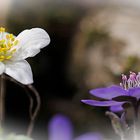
x=116 y=96
x=15 y=49
x=60 y=128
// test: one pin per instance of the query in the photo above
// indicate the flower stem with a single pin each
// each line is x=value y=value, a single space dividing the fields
x=2 y=99
x=34 y=114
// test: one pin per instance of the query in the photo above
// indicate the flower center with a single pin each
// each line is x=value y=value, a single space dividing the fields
x=131 y=82
x=7 y=43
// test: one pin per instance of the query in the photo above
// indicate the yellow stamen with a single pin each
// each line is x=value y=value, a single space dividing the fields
x=13 y=51
x=2 y=57
x=2 y=29
x=8 y=57
x=7 y=44
x=16 y=42
x=13 y=39
x=7 y=36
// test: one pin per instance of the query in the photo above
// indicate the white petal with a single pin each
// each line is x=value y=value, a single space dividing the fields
x=2 y=68
x=30 y=43
x=20 y=71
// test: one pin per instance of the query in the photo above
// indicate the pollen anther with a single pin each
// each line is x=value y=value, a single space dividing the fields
x=7 y=44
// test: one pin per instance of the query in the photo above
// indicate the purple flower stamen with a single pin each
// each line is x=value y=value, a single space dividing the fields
x=124 y=81
x=131 y=82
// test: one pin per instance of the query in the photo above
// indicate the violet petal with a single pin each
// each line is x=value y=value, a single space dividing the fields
x=60 y=128
x=109 y=92
x=90 y=136
x=135 y=92
x=101 y=103
x=116 y=108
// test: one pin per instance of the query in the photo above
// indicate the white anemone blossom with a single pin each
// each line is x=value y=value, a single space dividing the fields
x=15 y=49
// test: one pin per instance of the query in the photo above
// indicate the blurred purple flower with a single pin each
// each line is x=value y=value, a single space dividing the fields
x=116 y=96
x=60 y=128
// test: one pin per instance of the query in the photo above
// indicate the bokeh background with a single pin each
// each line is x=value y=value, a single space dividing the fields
x=92 y=43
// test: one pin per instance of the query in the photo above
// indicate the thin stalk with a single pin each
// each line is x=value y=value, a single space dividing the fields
x=2 y=99
x=33 y=114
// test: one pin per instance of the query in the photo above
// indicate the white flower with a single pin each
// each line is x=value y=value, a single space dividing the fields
x=14 y=51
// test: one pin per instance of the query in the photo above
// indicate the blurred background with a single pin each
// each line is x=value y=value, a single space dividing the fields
x=92 y=43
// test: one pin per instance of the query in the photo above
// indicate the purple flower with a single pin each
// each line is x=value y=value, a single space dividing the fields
x=116 y=96
x=60 y=128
